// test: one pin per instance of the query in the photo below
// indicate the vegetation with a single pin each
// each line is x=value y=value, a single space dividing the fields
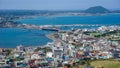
x=100 y=63
x=94 y=33
x=110 y=35
x=106 y=63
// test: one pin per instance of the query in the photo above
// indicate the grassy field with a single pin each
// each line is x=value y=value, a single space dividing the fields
x=106 y=63
x=109 y=35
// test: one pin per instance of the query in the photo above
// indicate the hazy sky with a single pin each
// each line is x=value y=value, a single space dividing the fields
x=58 y=4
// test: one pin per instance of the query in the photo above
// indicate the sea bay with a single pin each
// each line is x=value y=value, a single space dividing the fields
x=12 y=37
x=69 y=19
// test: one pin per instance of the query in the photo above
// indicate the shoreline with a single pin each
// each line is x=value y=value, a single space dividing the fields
x=50 y=36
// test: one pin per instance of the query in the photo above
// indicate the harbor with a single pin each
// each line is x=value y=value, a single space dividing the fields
x=71 y=48
x=58 y=27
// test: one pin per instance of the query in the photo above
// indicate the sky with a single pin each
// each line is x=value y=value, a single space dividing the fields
x=58 y=4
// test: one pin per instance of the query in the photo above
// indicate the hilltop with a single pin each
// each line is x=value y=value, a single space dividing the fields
x=97 y=9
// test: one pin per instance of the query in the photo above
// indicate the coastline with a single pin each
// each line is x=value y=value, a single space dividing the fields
x=50 y=36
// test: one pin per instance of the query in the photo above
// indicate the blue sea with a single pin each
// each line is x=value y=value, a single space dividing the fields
x=61 y=20
x=12 y=37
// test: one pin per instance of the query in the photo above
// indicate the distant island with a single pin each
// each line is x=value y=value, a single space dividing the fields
x=97 y=9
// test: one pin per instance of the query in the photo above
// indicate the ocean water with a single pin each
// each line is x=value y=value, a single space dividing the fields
x=12 y=37
x=55 y=20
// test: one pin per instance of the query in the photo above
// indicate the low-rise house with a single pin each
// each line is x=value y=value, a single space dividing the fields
x=3 y=55
x=96 y=47
x=49 y=54
x=116 y=53
x=71 y=49
x=29 y=49
x=16 y=55
x=35 y=56
x=20 y=48
x=88 y=48
x=105 y=55
x=58 y=53
x=20 y=64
